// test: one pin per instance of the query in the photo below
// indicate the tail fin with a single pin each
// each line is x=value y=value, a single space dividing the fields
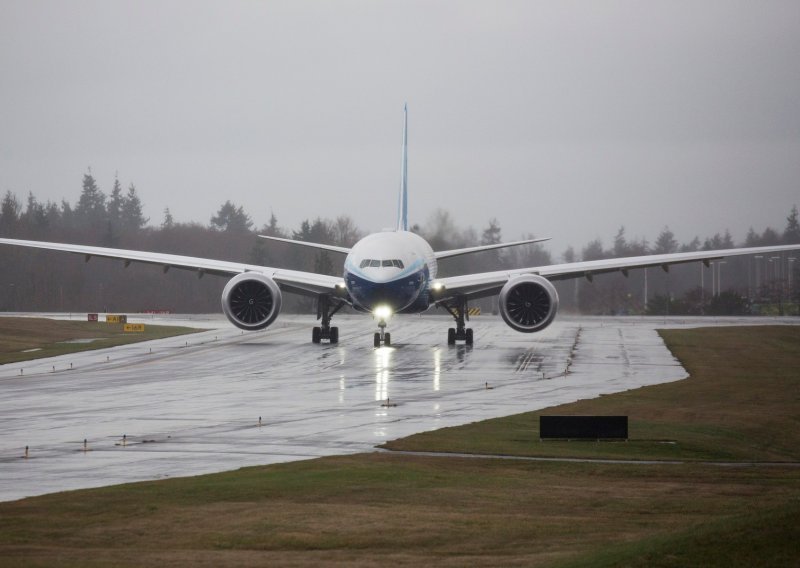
x=402 y=206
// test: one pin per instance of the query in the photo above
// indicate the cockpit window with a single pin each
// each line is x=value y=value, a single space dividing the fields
x=372 y=263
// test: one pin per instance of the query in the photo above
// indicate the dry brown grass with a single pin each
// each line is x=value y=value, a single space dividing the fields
x=48 y=336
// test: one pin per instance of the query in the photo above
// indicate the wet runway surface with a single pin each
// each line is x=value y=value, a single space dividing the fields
x=193 y=404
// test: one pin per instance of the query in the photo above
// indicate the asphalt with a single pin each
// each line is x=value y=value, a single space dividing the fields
x=222 y=399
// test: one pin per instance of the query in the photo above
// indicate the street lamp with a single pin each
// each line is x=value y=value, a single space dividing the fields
x=719 y=276
x=758 y=273
x=790 y=268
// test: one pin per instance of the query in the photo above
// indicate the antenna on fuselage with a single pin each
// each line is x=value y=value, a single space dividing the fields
x=402 y=205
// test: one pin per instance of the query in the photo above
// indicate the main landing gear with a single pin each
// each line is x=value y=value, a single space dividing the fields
x=458 y=309
x=325 y=311
x=382 y=336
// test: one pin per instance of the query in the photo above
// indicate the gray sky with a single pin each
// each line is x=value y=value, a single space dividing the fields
x=563 y=119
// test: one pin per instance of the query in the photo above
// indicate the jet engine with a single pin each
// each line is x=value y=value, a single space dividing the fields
x=251 y=301
x=528 y=303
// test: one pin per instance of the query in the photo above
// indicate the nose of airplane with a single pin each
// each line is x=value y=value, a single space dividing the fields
x=397 y=294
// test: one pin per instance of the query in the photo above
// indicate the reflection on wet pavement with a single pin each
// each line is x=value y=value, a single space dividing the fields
x=191 y=409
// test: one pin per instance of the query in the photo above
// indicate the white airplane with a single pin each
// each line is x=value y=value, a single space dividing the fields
x=395 y=272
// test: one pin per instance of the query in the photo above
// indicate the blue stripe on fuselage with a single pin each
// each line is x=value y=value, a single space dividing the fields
x=397 y=294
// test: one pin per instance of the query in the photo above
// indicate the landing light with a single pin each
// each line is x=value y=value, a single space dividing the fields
x=383 y=312
x=437 y=286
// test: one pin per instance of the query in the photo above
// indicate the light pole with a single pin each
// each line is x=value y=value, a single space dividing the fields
x=719 y=276
x=758 y=257
x=776 y=291
x=792 y=295
x=713 y=280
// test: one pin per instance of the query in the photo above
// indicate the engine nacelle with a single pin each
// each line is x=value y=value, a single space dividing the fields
x=251 y=301
x=528 y=303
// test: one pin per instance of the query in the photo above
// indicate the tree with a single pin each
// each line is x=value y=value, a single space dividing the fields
x=492 y=233
x=593 y=251
x=91 y=207
x=168 y=221
x=9 y=214
x=620 y=245
x=770 y=237
x=345 y=231
x=271 y=229
x=791 y=234
x=492 y=236
x=691 y=246
x=116 y=202
x=34 y=216
x=132 y=217
x=665 y=243
x=231 y=219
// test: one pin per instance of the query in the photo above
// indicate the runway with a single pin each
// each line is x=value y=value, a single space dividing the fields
x=192 y=404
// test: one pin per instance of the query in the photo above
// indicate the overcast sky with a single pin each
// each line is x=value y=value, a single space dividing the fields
x=562 y=119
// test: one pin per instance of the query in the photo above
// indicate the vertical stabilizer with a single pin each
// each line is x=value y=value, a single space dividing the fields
x=402 y=206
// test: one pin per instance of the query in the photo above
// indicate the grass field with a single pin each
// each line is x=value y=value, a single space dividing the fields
x=742 y=403
x=388 y=509
x=18 y=336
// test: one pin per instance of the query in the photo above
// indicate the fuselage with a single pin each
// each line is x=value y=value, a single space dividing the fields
x=391 y=269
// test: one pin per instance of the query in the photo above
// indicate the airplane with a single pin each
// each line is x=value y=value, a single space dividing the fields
x=395 y=272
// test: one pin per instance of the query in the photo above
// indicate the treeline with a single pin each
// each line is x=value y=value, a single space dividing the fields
x=38 y=280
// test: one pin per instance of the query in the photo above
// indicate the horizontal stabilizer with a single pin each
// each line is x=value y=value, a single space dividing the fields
x=343 y=250
x=469 y=250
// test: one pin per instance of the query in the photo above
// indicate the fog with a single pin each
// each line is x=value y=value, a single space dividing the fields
x=562 y=119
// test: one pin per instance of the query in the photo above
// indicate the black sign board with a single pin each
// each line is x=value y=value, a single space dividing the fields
x=583 y=427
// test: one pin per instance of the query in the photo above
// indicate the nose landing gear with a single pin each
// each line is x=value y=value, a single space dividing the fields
x=382 y=336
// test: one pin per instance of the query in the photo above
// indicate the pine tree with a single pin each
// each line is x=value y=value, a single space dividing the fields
x=665 y=243
x=91 y=207
x=9 y=214
x=116 y=201
x=34 y=216
x=231 y=218
x=271 y=229
x=620 y=244
x=791 y=235
x=168 y=221
x=132 y=217
x=492 y=234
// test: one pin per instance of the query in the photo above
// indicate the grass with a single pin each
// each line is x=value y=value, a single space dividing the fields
x=48 y=337
x=741 y=403
x=388 y=509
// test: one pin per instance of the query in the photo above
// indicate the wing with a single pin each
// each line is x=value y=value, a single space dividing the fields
x=489 y=283
x=290 y=280
x=343 y=250
x=458 y=252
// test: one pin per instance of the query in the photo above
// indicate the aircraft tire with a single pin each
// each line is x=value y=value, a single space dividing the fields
x=377 y=339
x=451 y=336
x=387 y=339
x=316 y=335
x=468 y=336
x=334 y=335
